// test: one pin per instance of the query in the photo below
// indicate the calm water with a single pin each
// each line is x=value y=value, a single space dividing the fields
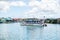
x=14 y=31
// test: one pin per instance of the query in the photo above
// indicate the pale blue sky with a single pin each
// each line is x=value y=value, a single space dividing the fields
x=30 y=8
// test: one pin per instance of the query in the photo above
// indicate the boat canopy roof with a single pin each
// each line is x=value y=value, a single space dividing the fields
x=32 y=19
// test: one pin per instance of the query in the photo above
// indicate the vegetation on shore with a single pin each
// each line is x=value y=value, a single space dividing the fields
x=9 y=20
x=53 y=21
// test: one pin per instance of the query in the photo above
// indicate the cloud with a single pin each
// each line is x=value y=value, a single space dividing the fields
x=33 y=10
x=3 y=0
x=39 y=7
x=10 y=0
x=18 y=3
x=45 y=4
x=5 y=5
x=47 y=8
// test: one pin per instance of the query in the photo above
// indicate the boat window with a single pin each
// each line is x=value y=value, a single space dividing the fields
x=33 y=21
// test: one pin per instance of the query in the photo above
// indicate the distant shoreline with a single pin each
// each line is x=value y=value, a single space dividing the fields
x=13 y=20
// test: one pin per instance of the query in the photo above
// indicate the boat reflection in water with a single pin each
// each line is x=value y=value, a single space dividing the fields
x=35 y=33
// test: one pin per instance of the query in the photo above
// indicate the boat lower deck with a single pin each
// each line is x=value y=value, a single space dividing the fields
x=32 y=25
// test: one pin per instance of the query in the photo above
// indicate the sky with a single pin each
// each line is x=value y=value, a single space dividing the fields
x=30 y=8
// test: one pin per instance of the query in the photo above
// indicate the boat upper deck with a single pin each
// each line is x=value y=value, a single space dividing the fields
x=33 y=21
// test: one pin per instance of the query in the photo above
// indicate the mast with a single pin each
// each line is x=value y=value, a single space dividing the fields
x=43 y=19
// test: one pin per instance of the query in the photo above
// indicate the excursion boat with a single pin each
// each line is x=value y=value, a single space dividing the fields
x=33 y=22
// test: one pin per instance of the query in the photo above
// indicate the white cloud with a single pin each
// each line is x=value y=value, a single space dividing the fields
x=34 y=3
x=21 y=3
x=46 y=7
x=34 y=10
x=45 y=4
x=18 y=3
x=5 y=5
x=13 y=4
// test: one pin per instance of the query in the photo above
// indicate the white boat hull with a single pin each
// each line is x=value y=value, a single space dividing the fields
x=32 y=24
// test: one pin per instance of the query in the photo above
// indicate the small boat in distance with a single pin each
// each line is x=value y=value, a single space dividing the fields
x=33 y=22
